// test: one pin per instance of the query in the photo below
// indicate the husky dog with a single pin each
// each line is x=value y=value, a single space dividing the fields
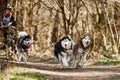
x=61 y=49
x=80 y=51
x=24 y=43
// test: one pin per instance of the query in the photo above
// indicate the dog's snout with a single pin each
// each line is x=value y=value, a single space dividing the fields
x=28 y=42
x=87 y=42
x=65 y=45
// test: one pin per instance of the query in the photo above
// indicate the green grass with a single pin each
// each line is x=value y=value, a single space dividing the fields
x=35 y=76
x=109 y=62
x=1 y=78
x=22 y=76
x=14 y=78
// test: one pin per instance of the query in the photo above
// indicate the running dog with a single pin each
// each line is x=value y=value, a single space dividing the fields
x=24 y=43
x=62 y=49
x=80 y=51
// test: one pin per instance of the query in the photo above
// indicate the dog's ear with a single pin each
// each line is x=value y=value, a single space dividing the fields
x=28 y=36
x=22 y=34
x=87 y=35
x=69 y=37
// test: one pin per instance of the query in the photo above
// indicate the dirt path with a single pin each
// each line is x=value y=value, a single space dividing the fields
x=51 y=69
x=91 y=72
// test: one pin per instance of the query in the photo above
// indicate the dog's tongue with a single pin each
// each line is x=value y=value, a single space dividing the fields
x=26 y=50
x=65 y=46
x=28 y=46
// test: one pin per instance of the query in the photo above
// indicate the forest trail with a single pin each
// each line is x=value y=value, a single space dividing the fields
x=91 y=72
x=51 y=69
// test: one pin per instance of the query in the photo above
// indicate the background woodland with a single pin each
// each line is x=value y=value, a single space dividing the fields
x=48 y=20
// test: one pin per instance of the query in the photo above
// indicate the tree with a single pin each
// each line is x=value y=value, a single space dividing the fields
x=69 y=12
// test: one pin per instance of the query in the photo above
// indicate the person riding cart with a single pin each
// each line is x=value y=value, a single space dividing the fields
x=8 y=24
x=9 y=29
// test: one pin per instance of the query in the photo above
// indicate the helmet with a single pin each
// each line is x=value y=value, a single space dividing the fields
x=8 y=7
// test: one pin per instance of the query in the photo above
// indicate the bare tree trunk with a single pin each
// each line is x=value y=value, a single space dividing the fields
x=3 y=4
x=108 y=9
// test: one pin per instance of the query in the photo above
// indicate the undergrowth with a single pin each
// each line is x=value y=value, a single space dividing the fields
x=107 y=61
x=35 y=76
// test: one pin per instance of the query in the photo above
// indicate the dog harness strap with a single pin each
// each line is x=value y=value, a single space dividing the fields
x=82 y=45
x=71 y=46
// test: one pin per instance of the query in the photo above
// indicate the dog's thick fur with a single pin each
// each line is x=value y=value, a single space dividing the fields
x=75 y=54
x=80 y=51
x=23 y=44
x=61 y=50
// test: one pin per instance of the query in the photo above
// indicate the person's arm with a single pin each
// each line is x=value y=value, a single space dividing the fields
x=12 y=19
x=1 y=22
x=13 y=22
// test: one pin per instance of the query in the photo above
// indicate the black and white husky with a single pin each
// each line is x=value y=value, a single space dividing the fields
x=61 y=49
x=24 y=43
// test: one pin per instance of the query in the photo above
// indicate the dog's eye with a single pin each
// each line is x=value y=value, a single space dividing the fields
x=26 y=40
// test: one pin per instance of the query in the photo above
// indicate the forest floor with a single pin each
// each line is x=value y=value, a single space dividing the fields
x=49 y=69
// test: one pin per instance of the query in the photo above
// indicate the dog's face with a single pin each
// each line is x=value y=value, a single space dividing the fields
x=66 y=42
x=27 y=41
x=86 y=41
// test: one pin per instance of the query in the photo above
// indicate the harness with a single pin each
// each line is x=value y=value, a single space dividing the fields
x=21 y=45
x=65 y=50
x=79 y=45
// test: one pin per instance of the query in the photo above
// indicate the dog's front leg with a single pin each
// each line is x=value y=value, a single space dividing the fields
x=69 y=54
x=60 y=60
x=20 y=57
x=68 y=59
x=20 y=51
x=78 y=61
x=83 y=60
x=64 y=60
x=24 y=57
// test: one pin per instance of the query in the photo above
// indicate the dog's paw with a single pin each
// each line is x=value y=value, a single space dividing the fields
x=64 y=66
x=61 y=67
x=79 y=66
